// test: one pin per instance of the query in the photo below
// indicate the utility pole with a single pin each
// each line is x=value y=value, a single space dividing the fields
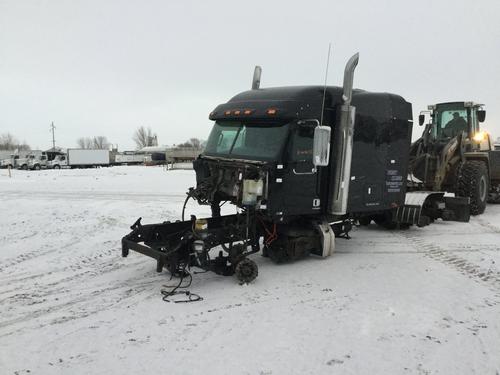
x=52 y=127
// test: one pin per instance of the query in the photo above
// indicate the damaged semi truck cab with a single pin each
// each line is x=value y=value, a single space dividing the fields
x=263 y=141
x=302 y=164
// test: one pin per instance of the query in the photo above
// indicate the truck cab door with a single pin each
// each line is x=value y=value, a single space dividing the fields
x=300 y=190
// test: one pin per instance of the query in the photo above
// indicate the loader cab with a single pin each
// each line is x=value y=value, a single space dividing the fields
x=449 y=120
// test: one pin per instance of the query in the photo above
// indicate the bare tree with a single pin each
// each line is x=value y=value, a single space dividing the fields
x=9 y=142
x=100 y=142
x=23 y=146
x=84 y=142
x=144 y=137
x=193 y=142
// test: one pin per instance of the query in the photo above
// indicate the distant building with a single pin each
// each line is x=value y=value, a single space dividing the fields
x=182 y=154
x=155 y=153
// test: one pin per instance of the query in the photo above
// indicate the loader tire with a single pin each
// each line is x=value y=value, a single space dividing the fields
x=473 y=182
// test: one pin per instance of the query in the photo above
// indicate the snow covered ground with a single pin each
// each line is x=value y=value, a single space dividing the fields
x=421 y=301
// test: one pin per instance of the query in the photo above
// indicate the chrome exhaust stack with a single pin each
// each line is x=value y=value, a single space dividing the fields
x=256 y=77
x=343 y=140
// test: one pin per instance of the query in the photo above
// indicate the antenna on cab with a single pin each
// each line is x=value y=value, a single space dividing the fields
x=324 y=89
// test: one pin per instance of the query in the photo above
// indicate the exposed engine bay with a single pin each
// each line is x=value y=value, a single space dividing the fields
x=241 y=184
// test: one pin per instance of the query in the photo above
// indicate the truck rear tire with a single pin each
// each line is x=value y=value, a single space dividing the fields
x=473 y=182
x=57 y=167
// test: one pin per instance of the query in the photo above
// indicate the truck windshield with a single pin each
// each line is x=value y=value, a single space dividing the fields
x=449 y=120
x=241 y=140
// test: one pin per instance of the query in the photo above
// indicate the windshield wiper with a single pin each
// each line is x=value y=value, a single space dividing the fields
x=234 y=142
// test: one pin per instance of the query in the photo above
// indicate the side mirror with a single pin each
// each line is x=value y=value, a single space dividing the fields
x=421 y=119
x=321 y=146
x=481 y=115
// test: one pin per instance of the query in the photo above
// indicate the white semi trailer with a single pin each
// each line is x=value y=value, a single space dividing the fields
x=81 y=158
x=128 y=157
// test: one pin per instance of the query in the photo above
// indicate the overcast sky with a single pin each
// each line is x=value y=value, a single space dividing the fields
x=107 y=67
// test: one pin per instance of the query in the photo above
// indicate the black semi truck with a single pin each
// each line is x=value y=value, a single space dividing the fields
x=302 y=164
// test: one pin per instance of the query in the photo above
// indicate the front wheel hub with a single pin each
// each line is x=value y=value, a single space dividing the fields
x=482 y=188
x=246 y=271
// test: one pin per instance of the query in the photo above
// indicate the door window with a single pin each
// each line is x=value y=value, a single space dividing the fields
x=302 y=145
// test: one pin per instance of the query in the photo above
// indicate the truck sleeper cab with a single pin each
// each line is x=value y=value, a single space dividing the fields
x=276 y=137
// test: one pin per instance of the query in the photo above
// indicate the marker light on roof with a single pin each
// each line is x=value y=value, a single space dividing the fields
x=227 y=113
x=237 y=112
x=271 y=111
x=247 y=112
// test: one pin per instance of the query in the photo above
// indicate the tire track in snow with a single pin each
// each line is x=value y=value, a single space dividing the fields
x=79 y=303
x=101 y=224
x=487 y=277
x=86 y=264
x=483 y=223
x=33 y=299
x=91 y=195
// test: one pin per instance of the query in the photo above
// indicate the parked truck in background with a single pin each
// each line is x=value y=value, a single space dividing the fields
x=4 y=154
x=37 y=161
x=58 y=162
x=81 y=158
x=13 y=160
x=33 y=156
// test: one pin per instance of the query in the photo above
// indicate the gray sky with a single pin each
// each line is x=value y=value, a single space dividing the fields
x=106 y=67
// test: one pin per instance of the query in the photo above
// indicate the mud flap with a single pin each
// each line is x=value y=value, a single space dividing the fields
x=457 y=209
x=327 y=239
x=423 y=207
